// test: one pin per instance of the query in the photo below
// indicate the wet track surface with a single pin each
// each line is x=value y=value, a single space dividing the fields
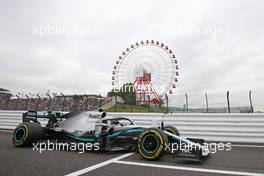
x=25 y=161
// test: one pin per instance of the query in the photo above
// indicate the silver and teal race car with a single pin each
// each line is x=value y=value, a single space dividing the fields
x=111 y=133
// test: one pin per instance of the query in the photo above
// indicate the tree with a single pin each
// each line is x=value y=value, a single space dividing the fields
x=127 y=92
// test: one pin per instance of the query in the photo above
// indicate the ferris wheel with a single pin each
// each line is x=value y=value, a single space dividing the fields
x=150 y=66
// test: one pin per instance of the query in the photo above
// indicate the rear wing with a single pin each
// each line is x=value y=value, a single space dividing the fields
x=34 y=115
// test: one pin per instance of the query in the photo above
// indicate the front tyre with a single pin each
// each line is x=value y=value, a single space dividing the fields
x=152 y=143
x=172 y=129
x=26 y=133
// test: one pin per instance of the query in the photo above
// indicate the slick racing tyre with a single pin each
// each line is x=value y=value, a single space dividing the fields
x=152 y=143
x=171 y=139
x=26 y=133
x=172 y=129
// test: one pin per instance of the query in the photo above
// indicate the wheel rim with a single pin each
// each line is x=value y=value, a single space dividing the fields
x=150 y=143
x=19 y=134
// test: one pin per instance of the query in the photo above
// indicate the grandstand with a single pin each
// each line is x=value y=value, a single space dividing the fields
x=49 y=103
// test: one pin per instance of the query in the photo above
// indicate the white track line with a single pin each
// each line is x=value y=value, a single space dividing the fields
x=190 y=169
x=88 y=169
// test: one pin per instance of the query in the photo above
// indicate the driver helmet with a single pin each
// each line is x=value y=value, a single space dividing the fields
x=100 y=109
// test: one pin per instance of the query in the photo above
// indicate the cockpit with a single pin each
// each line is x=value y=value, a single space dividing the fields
x=118 y=122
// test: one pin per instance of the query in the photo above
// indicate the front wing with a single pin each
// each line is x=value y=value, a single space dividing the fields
x=187 y=149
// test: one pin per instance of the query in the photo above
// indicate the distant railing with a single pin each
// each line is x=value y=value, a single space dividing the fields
x=227 y=102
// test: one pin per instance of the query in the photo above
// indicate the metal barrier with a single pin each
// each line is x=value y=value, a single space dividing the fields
x=248 y=128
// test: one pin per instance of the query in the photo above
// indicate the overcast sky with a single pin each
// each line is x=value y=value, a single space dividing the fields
x=219 y=44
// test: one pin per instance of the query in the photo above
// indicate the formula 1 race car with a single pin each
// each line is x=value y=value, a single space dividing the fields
x=111 y=133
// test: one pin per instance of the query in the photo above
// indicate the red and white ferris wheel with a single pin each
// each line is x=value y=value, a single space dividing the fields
x=150 y=66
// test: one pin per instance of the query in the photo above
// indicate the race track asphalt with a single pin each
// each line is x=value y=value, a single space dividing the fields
x=26 y=161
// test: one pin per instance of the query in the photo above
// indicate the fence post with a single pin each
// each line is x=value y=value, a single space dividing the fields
x=38 y=101
x=206 y=99
x=76 y=102
x=148 y=103
x=115 y=101
x=63 y=101
x=49 y=101
x=27 y=102
x=131 y=103
x=86 y=102
x=17 y=102
x=228 y=102
x=167 y=103
x=186 y=99
x=101 y=101
x=250 y=101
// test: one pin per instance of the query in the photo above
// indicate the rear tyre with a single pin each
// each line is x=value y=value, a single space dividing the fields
x=25 y=134
x=152 y=144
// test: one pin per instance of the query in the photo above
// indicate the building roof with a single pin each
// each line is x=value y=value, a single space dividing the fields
x=89 y=95
x=4 y=90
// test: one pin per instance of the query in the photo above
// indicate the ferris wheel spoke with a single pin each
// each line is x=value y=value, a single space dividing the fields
x=123 y=75
x=169 y=66
x=127 y=65
x=160 y=76
x=162 y=79
x=126 y=69
x=151 y=55
x=123 y=71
